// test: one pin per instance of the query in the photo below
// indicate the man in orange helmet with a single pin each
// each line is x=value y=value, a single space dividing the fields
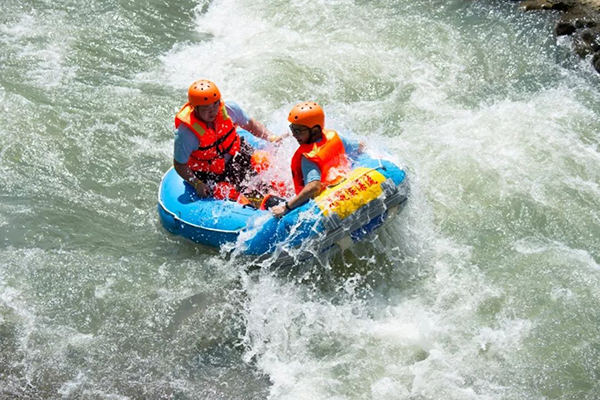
x=319 y=161
x=208 y=149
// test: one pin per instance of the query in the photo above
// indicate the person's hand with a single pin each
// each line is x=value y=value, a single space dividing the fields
x=361 y=147
x=202 y=189
x=279 y=211
x=275 y=139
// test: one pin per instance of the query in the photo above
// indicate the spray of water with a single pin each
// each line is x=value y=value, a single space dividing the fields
x=485 y=287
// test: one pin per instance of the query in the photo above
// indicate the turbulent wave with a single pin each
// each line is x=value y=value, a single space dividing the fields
x=485 y=287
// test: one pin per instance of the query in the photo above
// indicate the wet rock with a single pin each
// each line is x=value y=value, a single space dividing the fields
x=564 y=5
x=596 y=62
x=576 y=19
x=563 y=29
x=579 y=18
x=592 y=38
x=586 y=42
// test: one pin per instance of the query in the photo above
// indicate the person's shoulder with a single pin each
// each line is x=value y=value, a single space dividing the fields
x=184 y=136
x=236 y=112
x=233 y=106
x=308 y=163
x=183 y=130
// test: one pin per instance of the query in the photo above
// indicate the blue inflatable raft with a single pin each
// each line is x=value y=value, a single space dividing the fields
x=372 y=192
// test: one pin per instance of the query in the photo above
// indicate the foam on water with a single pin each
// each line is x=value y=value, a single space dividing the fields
x=484 y=287
x=474 y=154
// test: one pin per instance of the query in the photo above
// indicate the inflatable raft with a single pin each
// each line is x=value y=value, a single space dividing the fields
x=371 y=193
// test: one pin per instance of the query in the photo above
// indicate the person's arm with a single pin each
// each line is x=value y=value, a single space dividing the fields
x=352 y=147
x=309 y=191
x=312 y=175
x=185 y=143
x=260 y=131
x=239 y=117
x=188 y=175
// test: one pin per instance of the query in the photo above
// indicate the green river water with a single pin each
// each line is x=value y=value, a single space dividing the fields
x=485 y=287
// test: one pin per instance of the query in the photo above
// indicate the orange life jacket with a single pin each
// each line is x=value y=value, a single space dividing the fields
x=214 y=143
x=328 y=154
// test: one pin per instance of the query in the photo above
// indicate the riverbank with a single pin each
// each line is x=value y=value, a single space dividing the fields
x=579 y=19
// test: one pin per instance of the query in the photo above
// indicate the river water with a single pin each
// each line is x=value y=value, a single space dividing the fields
x=486 y=286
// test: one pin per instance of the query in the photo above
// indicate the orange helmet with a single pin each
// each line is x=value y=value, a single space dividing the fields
x=203 y=93
x=308 y=113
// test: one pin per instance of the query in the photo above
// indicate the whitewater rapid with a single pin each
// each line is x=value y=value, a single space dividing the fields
x=485 y=287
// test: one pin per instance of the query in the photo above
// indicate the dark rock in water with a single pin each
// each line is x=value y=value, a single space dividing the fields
x=586 y=42
x=576 y=19
x=592 y=38
x=563 y=5
x=563 y=28
x=580 y=47
x=596 y=61
x=586 y=22
x=579 y=18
